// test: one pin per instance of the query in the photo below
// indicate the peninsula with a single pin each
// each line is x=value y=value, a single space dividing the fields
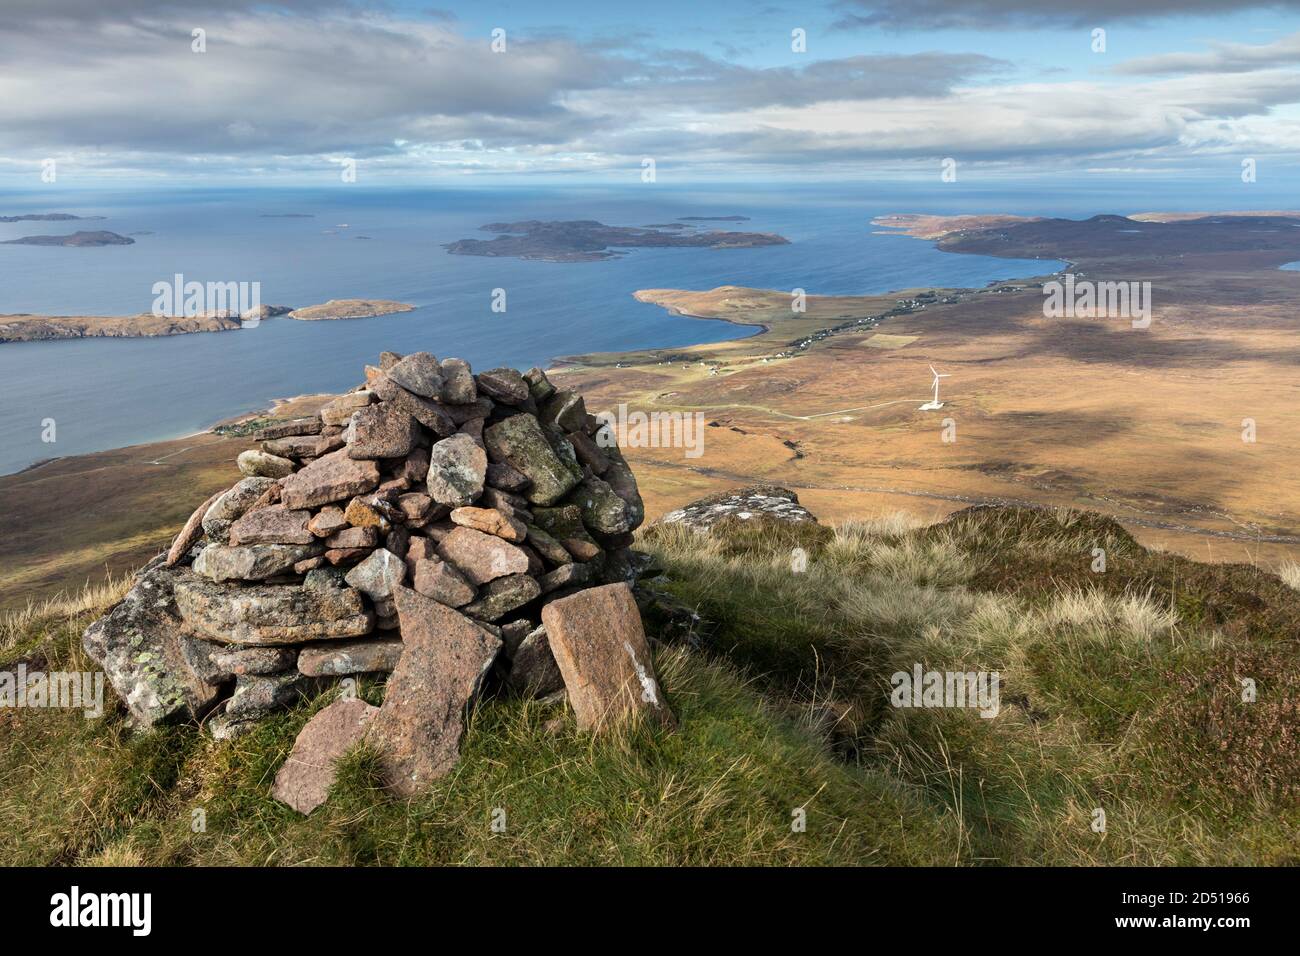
x=586 y=240
x=24 y=327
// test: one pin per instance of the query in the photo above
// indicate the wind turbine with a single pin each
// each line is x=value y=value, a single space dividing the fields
x=934 y=403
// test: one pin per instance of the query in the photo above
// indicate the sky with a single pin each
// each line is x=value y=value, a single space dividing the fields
x=434 y=91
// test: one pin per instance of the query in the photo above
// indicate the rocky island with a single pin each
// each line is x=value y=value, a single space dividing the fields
x=350 y=309
x=80 y=239
x=586 y=240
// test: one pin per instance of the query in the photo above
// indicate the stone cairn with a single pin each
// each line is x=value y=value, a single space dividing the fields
x=445 y=528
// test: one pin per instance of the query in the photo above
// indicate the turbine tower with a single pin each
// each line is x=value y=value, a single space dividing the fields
x=934 y=403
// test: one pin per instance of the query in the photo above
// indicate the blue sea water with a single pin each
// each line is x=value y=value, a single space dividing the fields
x=108 y=393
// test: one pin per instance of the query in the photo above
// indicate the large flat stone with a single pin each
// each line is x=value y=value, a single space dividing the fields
x=381 y=431
x=444 y=660
x=601 y=649
x=274 y=524
x=519 y=442
x=330 y=478
x=253 y=562
x=481 y=557
x=138 y=645
x=307 y=775
x=272 y=613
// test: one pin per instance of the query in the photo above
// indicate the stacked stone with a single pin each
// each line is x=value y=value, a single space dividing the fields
x=492 y=494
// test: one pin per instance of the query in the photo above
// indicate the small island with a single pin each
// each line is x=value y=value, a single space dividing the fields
x=350 y=309
x=77 y=239
x=586 y=240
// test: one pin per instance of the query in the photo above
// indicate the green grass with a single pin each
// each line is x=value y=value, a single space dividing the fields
x=1119 y=691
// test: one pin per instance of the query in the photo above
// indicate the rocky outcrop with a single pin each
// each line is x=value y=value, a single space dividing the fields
x=741 y=504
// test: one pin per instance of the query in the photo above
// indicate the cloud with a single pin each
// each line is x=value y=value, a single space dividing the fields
x=982 y=14
x=298 y=86
x=1221 y=58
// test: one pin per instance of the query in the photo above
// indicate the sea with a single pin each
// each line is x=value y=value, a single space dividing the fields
x=307 y=245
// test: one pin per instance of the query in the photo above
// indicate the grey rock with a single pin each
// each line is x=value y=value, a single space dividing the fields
x=378 y=574
x=419 y=374
x=351 y=657
x=272 y=613
x=254 y=562
x=138 y=645
x=231 y=506
x=457 y=469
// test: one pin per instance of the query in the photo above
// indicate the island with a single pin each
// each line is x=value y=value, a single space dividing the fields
x=586 y=240
x=350 y=309
x=713 y=219
x=24 y=327
x=78 y=239
x=46 y=217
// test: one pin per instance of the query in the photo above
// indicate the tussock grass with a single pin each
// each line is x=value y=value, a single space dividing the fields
x=1119 y=692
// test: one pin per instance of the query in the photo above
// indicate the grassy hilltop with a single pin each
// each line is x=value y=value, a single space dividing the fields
x=1120 y=691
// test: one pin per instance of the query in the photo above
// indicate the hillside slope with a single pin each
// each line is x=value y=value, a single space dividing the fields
x=1120 y=691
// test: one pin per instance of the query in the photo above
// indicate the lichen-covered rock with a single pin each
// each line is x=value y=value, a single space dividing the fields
x=520 y=442
x=336 y=659
x=254 y=463
x=457 y=469
x=458 y=386
x=742 y=504
x=232 y=505
x=564 y=524
x=602 y=510
x=272 y=613
x=504 y=385
x=257 y=695
x=216 y=663
x=501 y=596
x=254 y=562
x=138 y=645
x=419 y=374
x=378 y=574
